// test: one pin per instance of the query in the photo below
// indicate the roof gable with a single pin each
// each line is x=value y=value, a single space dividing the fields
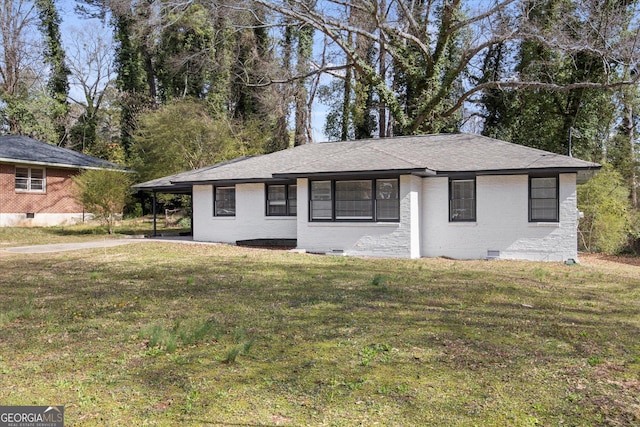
x=22 y=149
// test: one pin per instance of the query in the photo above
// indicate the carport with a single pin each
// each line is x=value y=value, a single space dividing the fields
x=163 y=186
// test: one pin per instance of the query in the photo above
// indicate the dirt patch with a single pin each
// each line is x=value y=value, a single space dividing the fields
x=610 y=261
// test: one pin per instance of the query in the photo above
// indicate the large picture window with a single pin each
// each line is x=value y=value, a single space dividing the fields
x=543 y=199
x=30 y=179
x=462 y=199
x=282 y=200
x=224 y=201
x=355 y=200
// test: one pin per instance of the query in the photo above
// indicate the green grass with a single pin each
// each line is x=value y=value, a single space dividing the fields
x=170 y=334
x=14 y=236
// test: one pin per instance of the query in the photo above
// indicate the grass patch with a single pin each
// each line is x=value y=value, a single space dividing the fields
x=167 y=334
x=161 y=340
x=24 y=236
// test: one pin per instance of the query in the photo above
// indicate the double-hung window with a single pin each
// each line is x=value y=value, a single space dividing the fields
x=224 y=201
x=462 y=199
x=543 y=199
x=30 y=179
x=387 y=200
x=282 y=200
x=321 y=203
x=355 y=200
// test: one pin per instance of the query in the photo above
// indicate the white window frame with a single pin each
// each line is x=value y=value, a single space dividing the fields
x=29 y=180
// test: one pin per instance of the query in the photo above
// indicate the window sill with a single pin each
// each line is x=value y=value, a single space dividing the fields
x=31 y=191
x=545 y=224
x=352 y=224
x=463 y=223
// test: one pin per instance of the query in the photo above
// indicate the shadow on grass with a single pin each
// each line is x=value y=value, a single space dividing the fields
x=119 y=230
x=316 y=318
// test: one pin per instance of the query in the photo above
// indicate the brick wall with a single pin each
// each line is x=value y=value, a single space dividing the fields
x=57 y=198
x=377 y=239
x=250 y=221
x=502 y=223
x=424 y=229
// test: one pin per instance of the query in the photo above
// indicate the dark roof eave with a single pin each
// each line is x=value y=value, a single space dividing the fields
x=523 y=171
x=161 y=185
x=165 y=189
x=280 y=177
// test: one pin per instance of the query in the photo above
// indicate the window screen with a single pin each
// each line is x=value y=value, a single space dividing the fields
x=225 y=201
x=543 y=199
x=353 y=199
x=462 y=200
x=282 y=200
x=321 y=203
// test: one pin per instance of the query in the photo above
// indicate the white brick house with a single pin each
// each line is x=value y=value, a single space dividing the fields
x=461 y=196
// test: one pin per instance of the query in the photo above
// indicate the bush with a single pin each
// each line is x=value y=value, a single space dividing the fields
x=604 y=200
x=103 y=193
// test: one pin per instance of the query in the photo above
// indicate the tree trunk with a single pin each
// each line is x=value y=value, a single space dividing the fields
x=382 y=107
x=630 y=128
x=346 y=104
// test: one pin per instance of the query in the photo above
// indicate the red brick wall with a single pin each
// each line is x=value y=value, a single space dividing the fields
x=58 y=197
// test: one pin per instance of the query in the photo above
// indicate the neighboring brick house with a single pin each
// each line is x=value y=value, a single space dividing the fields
x=36 y=188
x=457 y=195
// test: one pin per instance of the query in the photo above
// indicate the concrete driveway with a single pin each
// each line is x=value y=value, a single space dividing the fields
x=104 y=243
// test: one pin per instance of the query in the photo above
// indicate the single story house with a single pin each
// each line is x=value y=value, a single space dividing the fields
x=35 y=182
x=454 y=195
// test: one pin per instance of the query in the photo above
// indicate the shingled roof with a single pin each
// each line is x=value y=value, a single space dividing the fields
x=25 y=150
x=169 y=183
x=426 y=155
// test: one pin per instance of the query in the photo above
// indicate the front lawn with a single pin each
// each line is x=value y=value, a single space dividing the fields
x=175 y=334
x=25 y=236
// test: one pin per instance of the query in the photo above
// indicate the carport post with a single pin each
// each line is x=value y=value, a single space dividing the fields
x=155 y=234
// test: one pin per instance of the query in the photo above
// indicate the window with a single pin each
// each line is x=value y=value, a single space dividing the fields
x=355 y=200
x=543 y=199
x=462 y=199
x=321 y=204
x=30 y=179
x=282 y=200
x=387 y=201
x=224 y=201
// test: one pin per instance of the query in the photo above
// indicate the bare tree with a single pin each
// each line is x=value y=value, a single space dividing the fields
x=90 y=59
x=442 y=42
x=18 y=55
